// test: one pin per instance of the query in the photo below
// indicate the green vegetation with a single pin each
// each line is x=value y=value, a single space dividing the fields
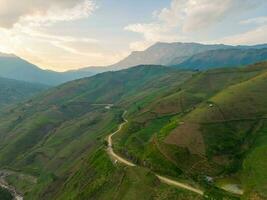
x=12 y=91
x=50 y=136
x=165 y=130
x=5 y=195
x=192 y=126
x=254 y=166
x=226 y=107
x=100 y=179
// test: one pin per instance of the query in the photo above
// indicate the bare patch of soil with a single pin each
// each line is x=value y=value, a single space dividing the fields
x=188 y=135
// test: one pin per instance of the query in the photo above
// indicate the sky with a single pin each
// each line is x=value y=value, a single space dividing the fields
x=69 y=34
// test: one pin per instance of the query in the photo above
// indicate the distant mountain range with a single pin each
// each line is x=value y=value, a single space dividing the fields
x=181 y=55
x=13 y=67
x=171 y=54
x=224 y=58
x=165 y=53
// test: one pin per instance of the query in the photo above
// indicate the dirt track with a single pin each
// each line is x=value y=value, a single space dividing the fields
x=163 y=179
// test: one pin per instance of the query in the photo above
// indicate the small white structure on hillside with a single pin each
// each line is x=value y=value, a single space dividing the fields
x=211 y=105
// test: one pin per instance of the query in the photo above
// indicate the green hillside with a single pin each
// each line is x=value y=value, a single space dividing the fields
x=212 y=123
x=206 y=129
x=5 y=195
x=55 y=136
x=12 y=91
x=224 y=58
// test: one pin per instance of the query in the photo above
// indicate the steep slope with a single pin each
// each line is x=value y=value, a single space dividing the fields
x=224 y=58
x=234 y=131
x=100 y=179
x=12 y=91
x=192 y=126
x=210 y=127
x=56 y=136
x=165 y=53
x=16 y=68
x=173 y=54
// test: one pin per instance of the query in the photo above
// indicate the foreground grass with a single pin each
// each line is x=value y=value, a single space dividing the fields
x=101 y=179
x=5 y=195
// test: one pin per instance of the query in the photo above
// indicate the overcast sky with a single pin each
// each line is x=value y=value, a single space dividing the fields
x=70 y=34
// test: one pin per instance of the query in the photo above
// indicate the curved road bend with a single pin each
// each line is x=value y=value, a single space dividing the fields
x=128 y=163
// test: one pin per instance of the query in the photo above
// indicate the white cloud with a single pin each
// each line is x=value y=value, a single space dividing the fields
x=192 y=15
x=140 y=45
x=255 y=36
x=55 y=52
x=257 y=20
x=29 y=31
x=185 y=18
x=153 y=32
x=25 y=31
x=40 y=11
x=55 y=14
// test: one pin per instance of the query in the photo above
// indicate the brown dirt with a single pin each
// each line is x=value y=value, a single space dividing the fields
x=168 y=108
x=188 y=136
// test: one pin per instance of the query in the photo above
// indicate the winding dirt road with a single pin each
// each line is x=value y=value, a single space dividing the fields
x=163 y=179
x=110 y=149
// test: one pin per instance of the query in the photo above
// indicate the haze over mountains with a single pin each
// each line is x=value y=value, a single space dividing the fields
x=165 y=53
x=13 y=91
x=168 y=54
x=182 y=123
x=13 y=67
x=223 y=58
x=182 y=55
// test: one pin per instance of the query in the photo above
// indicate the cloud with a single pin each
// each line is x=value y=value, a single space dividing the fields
x=153 y=31
x=192 y=15
x=140 y=45
x=40 y=11
x=26 y=26
x=255 y=36
x=257 y=20
x=185 y=18
x=48 y=37
x=60 y=52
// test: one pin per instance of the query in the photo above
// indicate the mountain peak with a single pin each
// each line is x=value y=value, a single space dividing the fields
x=162 y=53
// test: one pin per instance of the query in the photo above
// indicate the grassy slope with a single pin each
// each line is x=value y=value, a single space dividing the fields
x=238 y=100
x=63 y=128
x=12 y=91
x=100 y=179
x=5 y=195
x=52 y=136
x=231 y=129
